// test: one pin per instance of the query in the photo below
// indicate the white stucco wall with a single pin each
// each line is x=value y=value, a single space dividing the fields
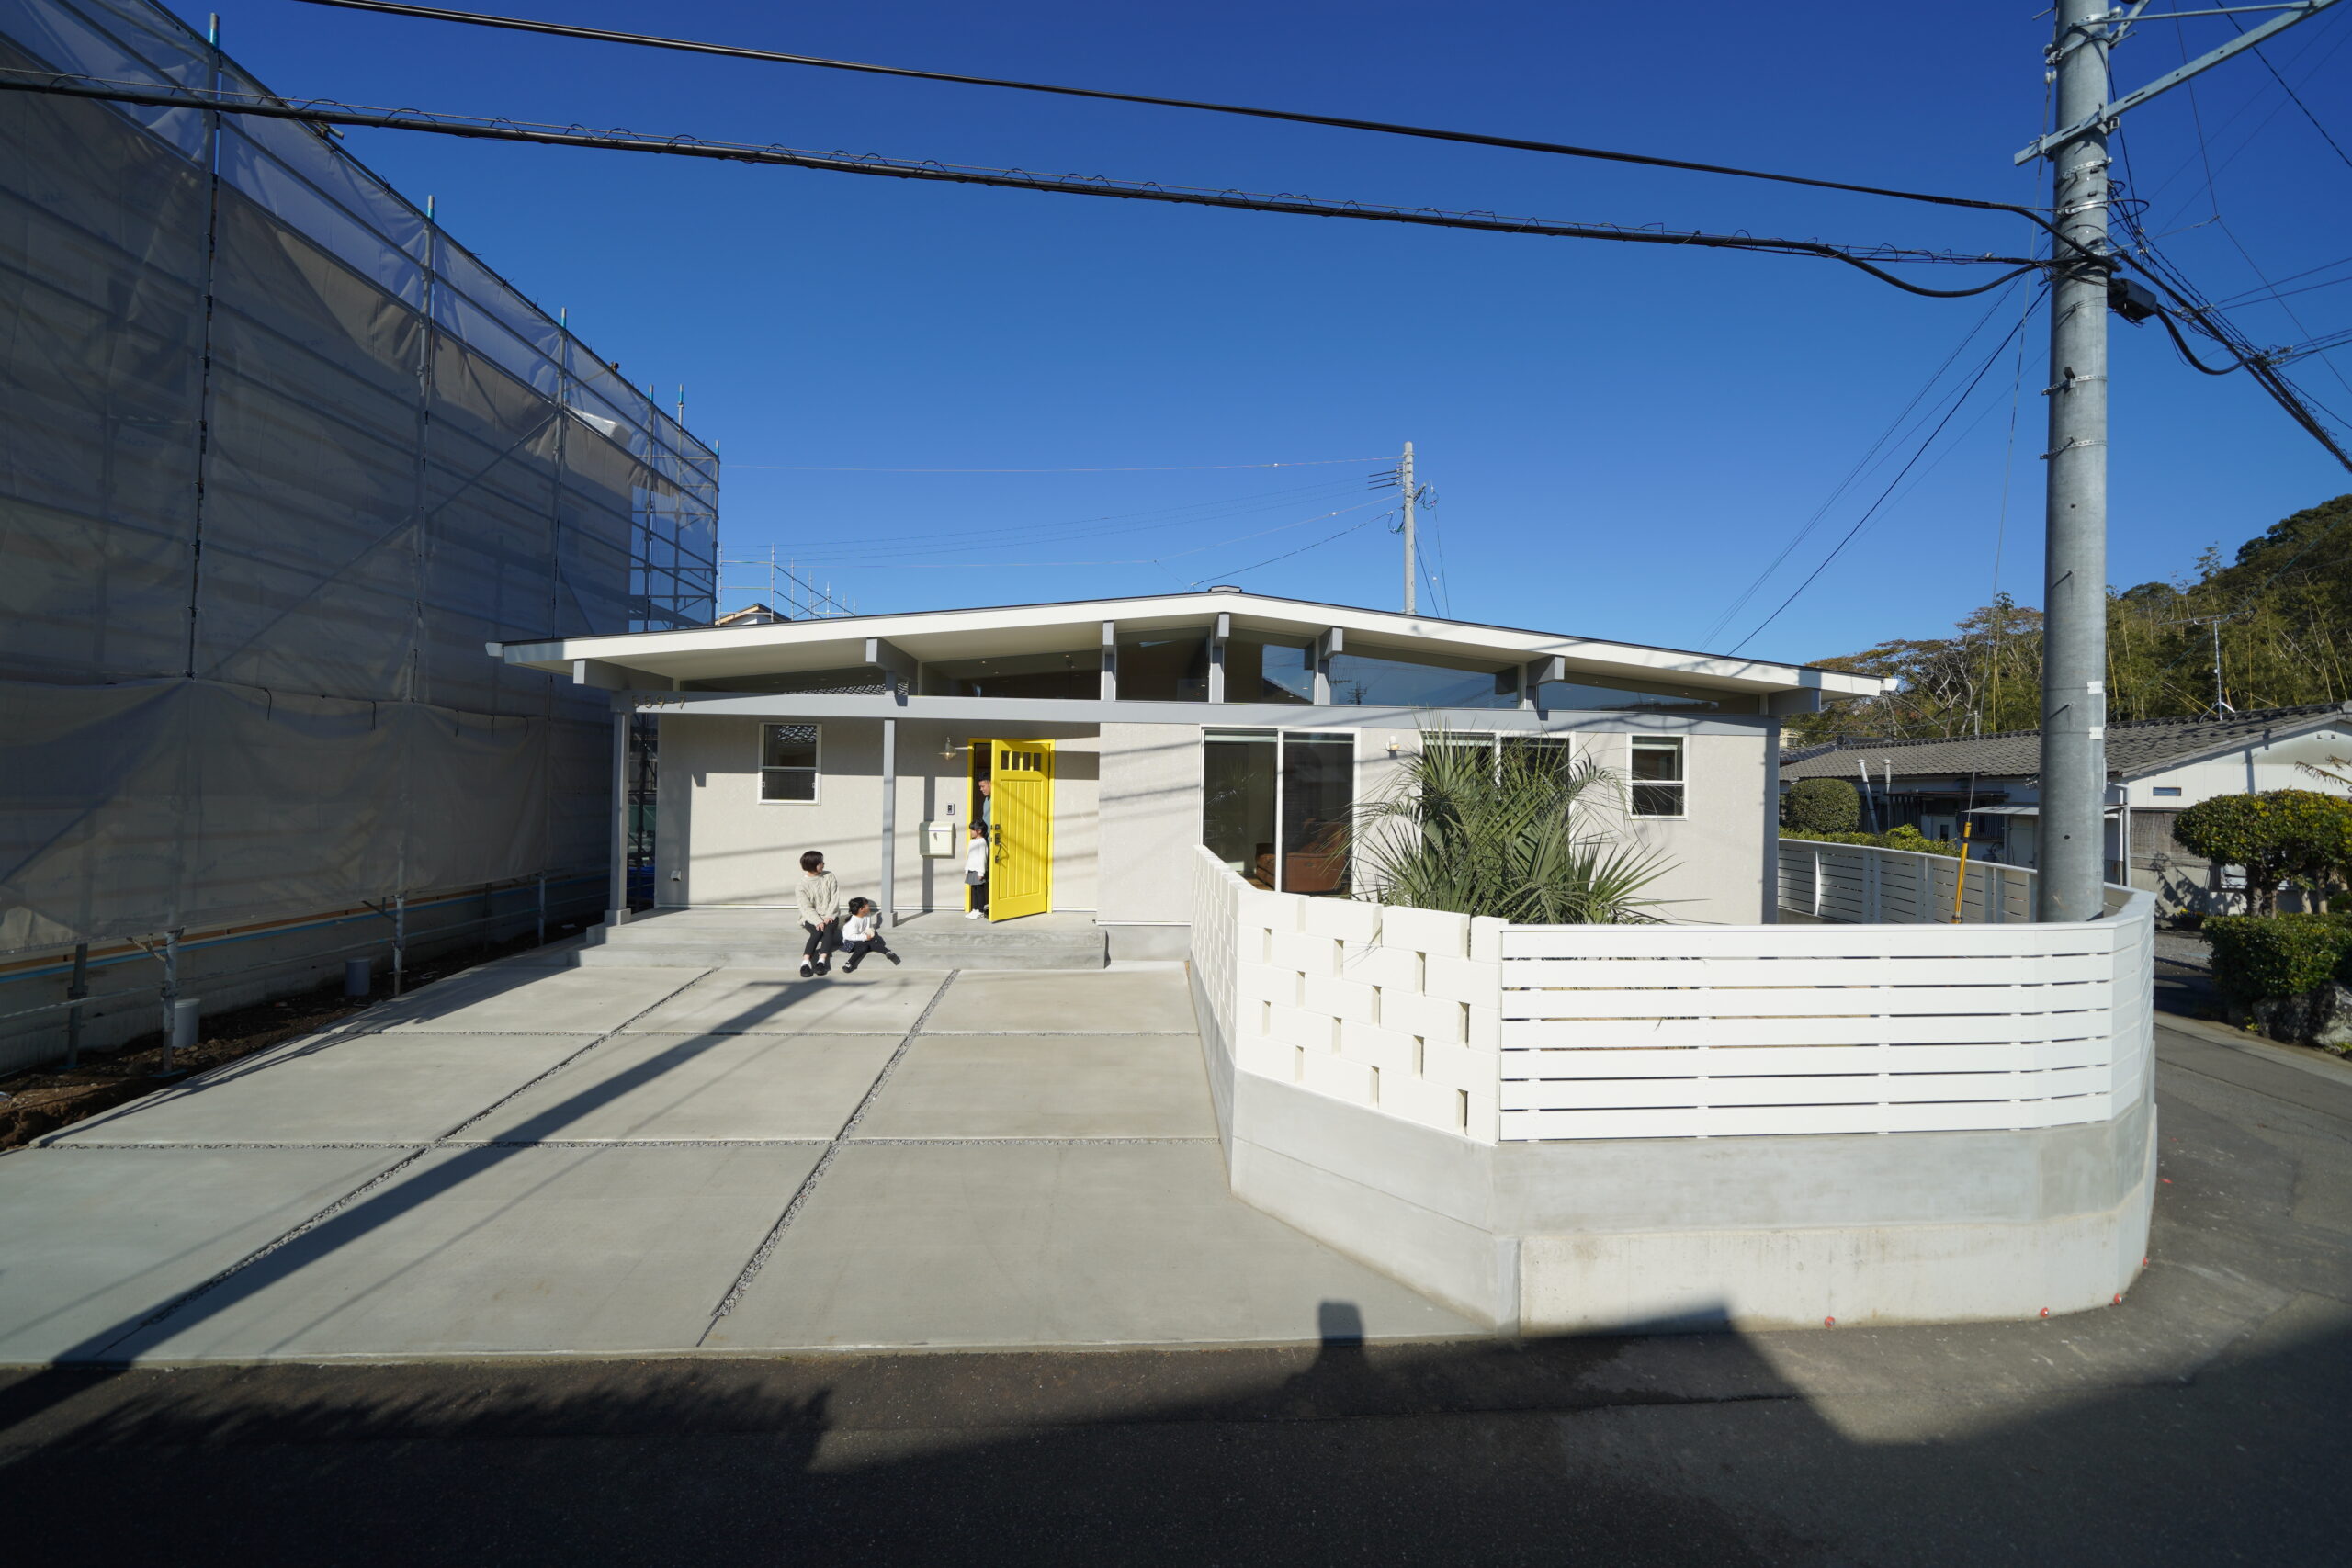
x=717 y=842
x=1126 y=800
x=1714 y=866
x=1151 y=822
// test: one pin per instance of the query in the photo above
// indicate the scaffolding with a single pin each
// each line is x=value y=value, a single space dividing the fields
x=773 y=582
x=278 y=456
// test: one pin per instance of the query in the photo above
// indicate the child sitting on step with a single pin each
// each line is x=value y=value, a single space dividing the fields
x=863 y=934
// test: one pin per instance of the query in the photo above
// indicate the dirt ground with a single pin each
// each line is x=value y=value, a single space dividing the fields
x=43 y=1100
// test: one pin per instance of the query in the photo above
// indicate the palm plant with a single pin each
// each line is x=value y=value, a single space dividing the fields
x=1516 y=831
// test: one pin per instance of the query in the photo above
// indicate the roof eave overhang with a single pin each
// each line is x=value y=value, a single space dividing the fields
x=720 y=652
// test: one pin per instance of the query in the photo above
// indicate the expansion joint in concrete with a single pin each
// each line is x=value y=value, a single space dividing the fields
x=416 y=1152
x=809 y=1183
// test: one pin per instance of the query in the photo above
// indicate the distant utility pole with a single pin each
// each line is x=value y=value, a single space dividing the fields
x=2083 y=282
x=1405 y=477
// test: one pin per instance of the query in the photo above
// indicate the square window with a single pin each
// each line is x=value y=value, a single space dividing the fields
x=1658 y=783
x=788 y=762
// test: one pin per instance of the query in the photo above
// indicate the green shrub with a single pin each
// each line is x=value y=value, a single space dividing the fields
x=2279 y=835
x=1822 y=806
x=2259 y=956
x=1904 y=838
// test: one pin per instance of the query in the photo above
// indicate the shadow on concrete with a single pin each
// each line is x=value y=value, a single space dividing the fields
x=404 y=1185
x=1555 y=1452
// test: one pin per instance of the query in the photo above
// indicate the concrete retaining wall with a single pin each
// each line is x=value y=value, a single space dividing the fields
x=1600 y=1234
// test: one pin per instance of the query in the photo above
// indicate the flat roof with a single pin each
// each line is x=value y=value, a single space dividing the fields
x=715 y=653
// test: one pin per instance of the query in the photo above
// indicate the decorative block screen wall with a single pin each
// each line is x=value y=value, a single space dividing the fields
x=1509 y=1034
x=1392 y=1008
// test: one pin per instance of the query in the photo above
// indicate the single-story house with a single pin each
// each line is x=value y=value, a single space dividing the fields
x=1115 y=735
x=2158 y=768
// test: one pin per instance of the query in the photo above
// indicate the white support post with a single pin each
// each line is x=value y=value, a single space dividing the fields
x=1110 y=662
x=616 y=902
x=889 y=900
x=1217 y=640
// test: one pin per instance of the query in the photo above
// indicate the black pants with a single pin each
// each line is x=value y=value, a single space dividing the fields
x=823 y=940
x=858 y=950
x=980 y=891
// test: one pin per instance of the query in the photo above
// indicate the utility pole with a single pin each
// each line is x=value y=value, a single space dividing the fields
x=1405 y=477
x=2074 y=656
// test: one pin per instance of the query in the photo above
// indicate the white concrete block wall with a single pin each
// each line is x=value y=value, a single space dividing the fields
x=1389 y=1008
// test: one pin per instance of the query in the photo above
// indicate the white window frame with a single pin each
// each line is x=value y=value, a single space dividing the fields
x=1680 y=784
x=816 y=772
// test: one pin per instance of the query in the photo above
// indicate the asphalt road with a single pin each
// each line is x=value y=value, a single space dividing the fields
x=2201 y=1422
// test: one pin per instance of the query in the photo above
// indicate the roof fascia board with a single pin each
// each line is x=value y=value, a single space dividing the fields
x=1197 y=716
x=1505 y=645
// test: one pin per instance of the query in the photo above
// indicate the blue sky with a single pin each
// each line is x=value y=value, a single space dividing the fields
x=1622 y=437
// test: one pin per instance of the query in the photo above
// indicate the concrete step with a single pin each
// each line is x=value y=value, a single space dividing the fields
x=930 y=946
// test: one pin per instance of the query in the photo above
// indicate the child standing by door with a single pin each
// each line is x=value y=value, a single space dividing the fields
x=976 y=872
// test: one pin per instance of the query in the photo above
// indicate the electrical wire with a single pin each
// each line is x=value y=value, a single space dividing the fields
x=2292 y=97
x=1194 y=514
x=1861 y=465
x=1872 y=511
x=1158 y=469
x=1238 y=571
x=1385 y=127
x=325 y=111
x=897 y=560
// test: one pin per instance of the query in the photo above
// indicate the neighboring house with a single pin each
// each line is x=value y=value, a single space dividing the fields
x=2156 y=769
x=1118 y=734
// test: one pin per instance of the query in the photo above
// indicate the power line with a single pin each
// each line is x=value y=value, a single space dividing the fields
x=896 y=559
x=1192 y=514
x=326 y=111
x=1909 y=463
x=1158 y=469
x=2292 y=96
x=1385 y=127
x=1861 y=465
x=1238 y=571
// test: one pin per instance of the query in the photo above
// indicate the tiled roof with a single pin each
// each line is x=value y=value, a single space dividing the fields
x=2133 y=748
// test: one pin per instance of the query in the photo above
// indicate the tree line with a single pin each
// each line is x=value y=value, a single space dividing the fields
x=2279 y=613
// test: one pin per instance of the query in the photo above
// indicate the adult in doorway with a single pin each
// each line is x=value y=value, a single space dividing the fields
x=984 y=805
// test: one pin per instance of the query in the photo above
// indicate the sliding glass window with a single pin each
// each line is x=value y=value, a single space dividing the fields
x=1164 y=666
x=1262 y=668
x=1276 y=806
x=1394 y=678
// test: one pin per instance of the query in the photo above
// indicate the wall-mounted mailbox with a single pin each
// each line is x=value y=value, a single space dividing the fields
x=939 y=840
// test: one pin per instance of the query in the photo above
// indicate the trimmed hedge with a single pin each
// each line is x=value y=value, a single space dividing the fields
x=1902 y=837
x=1822 y=806
x=2258 y=957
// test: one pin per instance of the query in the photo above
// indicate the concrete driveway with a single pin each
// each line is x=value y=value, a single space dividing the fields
x=536 y=1160
x=2201 y=1422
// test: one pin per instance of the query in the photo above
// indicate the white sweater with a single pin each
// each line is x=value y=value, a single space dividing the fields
x=976 y=856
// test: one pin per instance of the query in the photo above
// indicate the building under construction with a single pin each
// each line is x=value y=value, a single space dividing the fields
x=278 y=458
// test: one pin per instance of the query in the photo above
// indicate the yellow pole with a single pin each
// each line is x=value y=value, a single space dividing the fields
x=1960 y=883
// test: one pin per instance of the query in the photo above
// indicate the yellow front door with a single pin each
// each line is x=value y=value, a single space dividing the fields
x=1021 y=855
